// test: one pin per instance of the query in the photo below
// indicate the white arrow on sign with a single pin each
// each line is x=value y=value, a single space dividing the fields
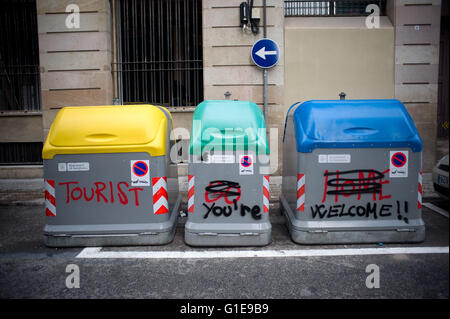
x=262 y=53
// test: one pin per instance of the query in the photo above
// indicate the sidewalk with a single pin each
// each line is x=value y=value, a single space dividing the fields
x=22 y=191
x=31 y=191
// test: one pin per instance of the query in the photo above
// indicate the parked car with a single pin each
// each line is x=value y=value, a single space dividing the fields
x=440 y=177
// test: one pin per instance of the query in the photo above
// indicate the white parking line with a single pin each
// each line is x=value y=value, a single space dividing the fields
x=95 y=252
x=436 y=209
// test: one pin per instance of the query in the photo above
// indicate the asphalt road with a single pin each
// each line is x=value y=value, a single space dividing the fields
x=28 y=269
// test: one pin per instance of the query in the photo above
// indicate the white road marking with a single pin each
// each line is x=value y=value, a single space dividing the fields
x=95 y=252
x=436 y=209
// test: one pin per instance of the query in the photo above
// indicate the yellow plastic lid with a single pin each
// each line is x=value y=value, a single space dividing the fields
x=107 y=129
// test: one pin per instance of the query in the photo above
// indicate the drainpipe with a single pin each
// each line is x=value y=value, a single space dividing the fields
x=265 y=70
x=114 y=49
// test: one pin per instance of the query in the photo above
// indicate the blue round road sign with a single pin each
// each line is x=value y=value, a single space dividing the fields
x=140 y=168
x=399 y=159
x=265 y=53
x=246 y=161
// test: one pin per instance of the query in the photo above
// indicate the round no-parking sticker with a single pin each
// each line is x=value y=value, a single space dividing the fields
x=398 y=164
x=140 y=173
x=245 y=165
x=140 y=168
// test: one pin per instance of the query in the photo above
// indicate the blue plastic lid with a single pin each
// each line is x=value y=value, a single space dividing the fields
x=354 y=124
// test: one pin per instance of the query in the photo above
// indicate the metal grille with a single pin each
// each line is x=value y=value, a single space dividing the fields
x=19 y=56
x=300 y=8
x=159 y=46
x=21 y=153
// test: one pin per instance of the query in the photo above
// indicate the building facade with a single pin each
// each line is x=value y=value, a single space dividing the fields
x=177 y=53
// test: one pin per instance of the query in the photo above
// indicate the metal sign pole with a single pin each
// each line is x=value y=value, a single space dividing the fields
x=265 y=70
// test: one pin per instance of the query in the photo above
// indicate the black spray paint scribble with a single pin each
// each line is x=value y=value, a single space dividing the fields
x=405 y=210
x=231 y=193
x=370 y=186
x=217 y=189
x=226 y=211
x=369 y=210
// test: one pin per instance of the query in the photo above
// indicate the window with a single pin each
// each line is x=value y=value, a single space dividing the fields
x=300 y=8
x=19 y=56
x=159 y=48
x=21 y=153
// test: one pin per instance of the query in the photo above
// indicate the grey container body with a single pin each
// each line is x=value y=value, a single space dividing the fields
x=219 y=219
x=351 y=216
x=103 y=208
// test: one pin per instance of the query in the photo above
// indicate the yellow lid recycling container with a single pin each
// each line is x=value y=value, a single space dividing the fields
x=107 y=129
x=108 y=177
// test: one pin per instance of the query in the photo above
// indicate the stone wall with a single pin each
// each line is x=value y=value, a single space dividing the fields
x=325 y=56
x=75 y=62
x=417 y=33
x=228 y=65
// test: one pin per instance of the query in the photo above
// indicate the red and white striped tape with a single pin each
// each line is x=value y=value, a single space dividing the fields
x=301 y=192
x=419 y=193
x=160 y=196
x=266 y=193
x=191 y=191
x=50 y=201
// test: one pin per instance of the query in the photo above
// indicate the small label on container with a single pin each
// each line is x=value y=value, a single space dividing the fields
x=62 y=167
x=246 y=165
x=398 y=164
x=335 y=158
x=78 y=167
x=140 y=172
x=221 y=159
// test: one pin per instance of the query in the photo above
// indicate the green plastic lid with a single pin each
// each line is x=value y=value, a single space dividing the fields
x=222 y=125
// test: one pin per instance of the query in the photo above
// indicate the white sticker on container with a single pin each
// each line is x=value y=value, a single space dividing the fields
x=246 y=165
x=398 y=164
x=140 y=172
x=78 y=167
x=339 y=158
x=222 y=159
x=335 y=158
x=62 y=167
x=323 y=158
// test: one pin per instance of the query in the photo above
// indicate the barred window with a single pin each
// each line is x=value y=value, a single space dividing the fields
x=19 y=56
x=28 y=153
x=159 y=45
x=301 y=8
